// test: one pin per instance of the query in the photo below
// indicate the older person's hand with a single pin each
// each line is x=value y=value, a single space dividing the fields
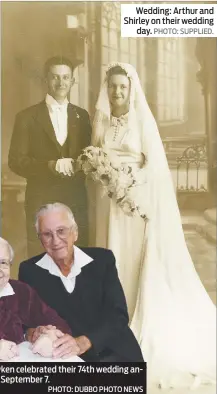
x=84 y=344
x=65 y=346
x=8 y=350
x=44 y=344
x=33 y=334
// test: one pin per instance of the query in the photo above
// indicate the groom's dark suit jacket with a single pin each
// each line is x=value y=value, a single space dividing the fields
x=96 y=308
x=33 y=144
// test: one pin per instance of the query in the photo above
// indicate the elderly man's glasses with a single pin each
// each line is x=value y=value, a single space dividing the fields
x=61 y=232
x=4 y=264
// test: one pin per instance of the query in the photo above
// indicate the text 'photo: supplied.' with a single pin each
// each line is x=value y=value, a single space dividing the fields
x=108 y=197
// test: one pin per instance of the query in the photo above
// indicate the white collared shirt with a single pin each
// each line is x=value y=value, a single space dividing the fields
x=59 y=117
x=7 y=290
x=80 y=260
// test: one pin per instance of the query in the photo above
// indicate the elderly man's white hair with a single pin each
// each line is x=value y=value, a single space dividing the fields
x=57 y=206
x=11 y=251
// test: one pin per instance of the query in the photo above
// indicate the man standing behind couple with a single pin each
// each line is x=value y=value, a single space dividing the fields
x=46 y=137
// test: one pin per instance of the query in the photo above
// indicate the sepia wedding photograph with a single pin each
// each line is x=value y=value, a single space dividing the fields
x=108 y=194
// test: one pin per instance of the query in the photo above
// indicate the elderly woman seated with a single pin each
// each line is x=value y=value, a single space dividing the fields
x=20 y=306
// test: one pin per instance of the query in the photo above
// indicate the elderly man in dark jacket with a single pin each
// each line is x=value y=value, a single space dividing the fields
x=82 y=285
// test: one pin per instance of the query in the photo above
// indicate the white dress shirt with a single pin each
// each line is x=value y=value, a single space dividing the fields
x=80 y=260
x=7 y=291
x=59 y=117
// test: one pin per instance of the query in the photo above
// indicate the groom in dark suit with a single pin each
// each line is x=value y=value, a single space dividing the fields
x=47 y=137
x=82 y=285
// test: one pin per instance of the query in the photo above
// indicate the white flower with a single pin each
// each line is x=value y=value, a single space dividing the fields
x=114 y=174
x=87 y=167
x=120 y=193
x=112 y=187
x=126 y=206
x=89 y=155
x=132 y=193
x=95 y=176
x=101 y=170
x=94 y=150
x=124 y=181
x=99 y=160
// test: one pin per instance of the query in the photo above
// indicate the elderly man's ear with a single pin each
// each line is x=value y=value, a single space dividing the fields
x=76 y=236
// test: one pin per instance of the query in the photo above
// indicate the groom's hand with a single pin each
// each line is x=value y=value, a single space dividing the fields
x=62 y=167
x=65 y=166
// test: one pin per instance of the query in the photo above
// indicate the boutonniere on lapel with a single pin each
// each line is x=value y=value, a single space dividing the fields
x=76 y=114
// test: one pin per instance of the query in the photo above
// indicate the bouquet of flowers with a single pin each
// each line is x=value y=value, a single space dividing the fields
x=118 y=180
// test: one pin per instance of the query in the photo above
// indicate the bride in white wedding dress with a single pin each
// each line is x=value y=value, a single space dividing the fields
x=171 y=314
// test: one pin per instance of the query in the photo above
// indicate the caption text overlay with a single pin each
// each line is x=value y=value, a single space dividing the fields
x=72 y=378
x=169 y=20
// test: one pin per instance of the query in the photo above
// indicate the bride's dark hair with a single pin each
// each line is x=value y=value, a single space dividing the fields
x=116 y=70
